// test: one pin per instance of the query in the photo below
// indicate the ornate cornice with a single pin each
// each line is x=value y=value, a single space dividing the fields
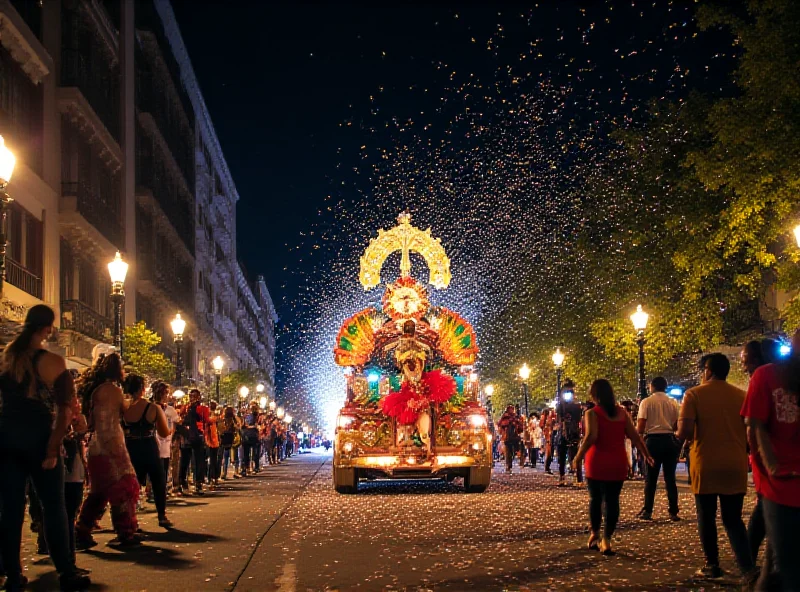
x=74 y=105
x=21 y=46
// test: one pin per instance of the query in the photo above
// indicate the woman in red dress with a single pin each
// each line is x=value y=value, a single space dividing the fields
x=606 y=426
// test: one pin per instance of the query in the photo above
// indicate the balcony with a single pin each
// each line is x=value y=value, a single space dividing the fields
x=164 y=279
x=89 y=216
x=23 y=278
x=98 y=83
x=77 y=316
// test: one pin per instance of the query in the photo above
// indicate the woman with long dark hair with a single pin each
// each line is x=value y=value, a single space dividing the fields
x=111 y=476
x=606 y=426
x=140 y=421
x=36 y=408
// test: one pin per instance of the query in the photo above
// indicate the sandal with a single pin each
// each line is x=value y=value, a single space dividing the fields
x=593 y=540
x=605 y=548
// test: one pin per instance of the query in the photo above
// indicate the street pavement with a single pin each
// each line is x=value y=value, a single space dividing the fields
x=287 y=530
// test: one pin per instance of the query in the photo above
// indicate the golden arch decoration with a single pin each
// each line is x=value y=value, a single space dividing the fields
x=405 y=238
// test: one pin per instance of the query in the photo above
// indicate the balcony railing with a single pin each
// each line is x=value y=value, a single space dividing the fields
x=77 y=316
x=97 y=83
x=23 y=278
x=98 y=209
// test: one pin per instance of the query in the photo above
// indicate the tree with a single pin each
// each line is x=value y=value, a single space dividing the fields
x=230 y=383
x=141 y=357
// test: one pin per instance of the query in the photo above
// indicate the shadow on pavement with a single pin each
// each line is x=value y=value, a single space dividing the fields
x=410 y=487
x=175 y=535
x=144 y=555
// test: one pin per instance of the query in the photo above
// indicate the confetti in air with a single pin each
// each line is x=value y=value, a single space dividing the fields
x=494 y=158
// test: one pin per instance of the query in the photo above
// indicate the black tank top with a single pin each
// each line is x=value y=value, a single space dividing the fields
x=140 y=429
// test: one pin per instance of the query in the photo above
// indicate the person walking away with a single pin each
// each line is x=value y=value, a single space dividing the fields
x=569 y=432
x=250 y=440
x=510 y=427
x=772 y=411
x=37 y=404
x=657 y=422
x=709 y=416
x=755 y=354
x=140 y=421
x=195 y=425
x=537 y=442
x=526 y=442
x=213 y=447
x=112 y=479
x=269 y=439
x=606 y=426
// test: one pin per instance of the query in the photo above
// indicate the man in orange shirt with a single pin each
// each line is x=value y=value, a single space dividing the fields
x=710 y=418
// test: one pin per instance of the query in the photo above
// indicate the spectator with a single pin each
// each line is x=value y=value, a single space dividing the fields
x=510 y=425
x=212 y=441
x=140 y=421
x=772 y=412
x=160 y=396
x=606 y=426
x=569 y=432
x=657 y=422
x=38 y=404
x=537 y=441
x=709 y=417
x=195 y=426
x=112 y=478
x=250 y=441
x=229 y=438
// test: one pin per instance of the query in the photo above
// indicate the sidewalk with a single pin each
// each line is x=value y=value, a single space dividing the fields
x=213 y=539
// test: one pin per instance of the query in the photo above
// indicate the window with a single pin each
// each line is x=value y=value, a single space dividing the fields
x=25 y=250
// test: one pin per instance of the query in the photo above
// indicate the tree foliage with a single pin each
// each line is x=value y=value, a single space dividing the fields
x=690 y=215
x=230 y=383
x=139 y=346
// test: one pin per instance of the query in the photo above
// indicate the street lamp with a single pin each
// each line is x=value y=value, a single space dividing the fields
x=217 y=364
x=558 y=362
x=524 y=374
x=259 y=388
x=118 y=269
x=7 y=162
x=272 y=405
x=279 y=413
x=288 y=419
x=639 y=320
x=178 y=394
x=178 y=327
x=262 y=402
x=244 y=392
x=797 y=234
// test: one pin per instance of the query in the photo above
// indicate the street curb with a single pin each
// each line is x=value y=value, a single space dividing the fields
x=281 y=513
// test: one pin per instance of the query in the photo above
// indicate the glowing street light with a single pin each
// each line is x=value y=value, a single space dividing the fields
x=558 y=361
x=272 y=405
x=489 y=390
x=288 y=419
x=178 y=394
x=639 y=320
x=118 y=270
x=7 y=162
x=279 y=412
x=178 y=327
x=217 y=364
x=524 y=374
x=262 y=402
x=797 y=234
x=244 y=392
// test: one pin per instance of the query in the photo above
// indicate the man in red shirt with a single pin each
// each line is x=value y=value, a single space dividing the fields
x=772 y=413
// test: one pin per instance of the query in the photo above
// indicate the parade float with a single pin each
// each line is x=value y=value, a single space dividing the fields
x=413 y=408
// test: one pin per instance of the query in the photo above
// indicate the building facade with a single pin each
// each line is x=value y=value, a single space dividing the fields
x=116 y=152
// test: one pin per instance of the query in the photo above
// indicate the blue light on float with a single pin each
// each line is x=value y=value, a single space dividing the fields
x=675 y=392
x=373 y=377
x=568 y=396
x=784 y=350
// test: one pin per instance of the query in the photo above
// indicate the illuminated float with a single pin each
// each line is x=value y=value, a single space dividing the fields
x=413 y=408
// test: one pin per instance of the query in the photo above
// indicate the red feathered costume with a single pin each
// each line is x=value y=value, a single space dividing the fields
x=406 y=404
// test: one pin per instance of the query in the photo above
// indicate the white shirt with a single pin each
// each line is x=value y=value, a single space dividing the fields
x=661 y=412
x=164 y=444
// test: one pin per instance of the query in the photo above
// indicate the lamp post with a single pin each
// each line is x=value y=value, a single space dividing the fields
x=244 y=392
x=279 y=413
x=797 y=234
x=178 y=327
x=217 y=364
x=558 y=362
x=524 y=374
x=7 y=162
x=488 y=390
x=639 y=320
x=118 y=269
x=272 y=405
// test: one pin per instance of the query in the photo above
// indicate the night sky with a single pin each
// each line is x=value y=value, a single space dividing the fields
x=483 y=120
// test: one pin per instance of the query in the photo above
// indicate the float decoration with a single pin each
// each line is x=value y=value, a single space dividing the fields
x=356 y=338
x=457 y=341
